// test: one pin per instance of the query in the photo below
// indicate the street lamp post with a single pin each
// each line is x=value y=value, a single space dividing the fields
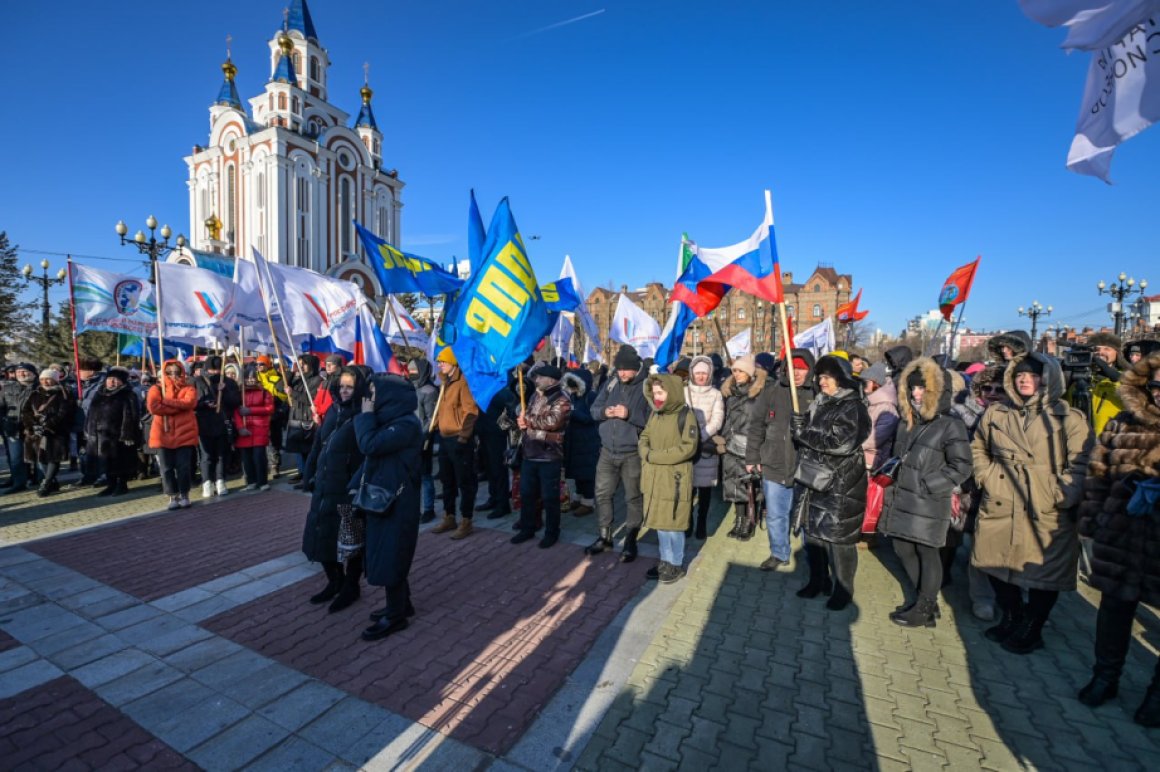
x=1034 y=311
x=45 y=282
x=151 y=247
x=1124 y=287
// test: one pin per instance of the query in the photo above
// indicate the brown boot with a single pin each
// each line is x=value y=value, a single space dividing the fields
x=448 y=524
x=465 y=529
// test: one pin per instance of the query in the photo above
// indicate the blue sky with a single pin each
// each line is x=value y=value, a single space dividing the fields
x=899 y=140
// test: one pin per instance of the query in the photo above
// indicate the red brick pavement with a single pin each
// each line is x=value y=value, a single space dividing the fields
x=498 y=629
x=61 y=724
x=158 y=556
x=7 y=641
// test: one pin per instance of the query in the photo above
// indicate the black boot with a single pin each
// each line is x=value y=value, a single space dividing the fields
x=1010 y=602
x=603 y=542
x=1148 y=714
x=702 y=523
x=109 y=489
x=628 y=554
x=1026 y=636
x=1113 y=637
x=819 y=581
x=350 y=590
x=844 y=565
x=736 y=530
x=333 y=583
x=921 y=614
x=121 y=488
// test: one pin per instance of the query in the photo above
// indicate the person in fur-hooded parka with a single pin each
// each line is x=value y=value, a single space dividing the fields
x=1125 y=534
x=113 y=430
x=740 y=392
x=935 y=460
x=1017 y=343
x=581 y=441
x=708 y=406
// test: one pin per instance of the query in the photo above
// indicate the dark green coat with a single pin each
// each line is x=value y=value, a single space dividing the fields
x=668 y=446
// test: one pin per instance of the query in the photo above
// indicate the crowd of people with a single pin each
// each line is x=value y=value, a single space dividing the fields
x=1021 y=456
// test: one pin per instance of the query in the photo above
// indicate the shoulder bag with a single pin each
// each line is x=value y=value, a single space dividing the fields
x=374 y=499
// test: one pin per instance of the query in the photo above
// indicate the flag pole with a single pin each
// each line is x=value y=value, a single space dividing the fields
x=721 y=335
x=523 y=403
x=286 y=330
x=72 y=309
x=786 y=346
x=926 y=349
x=395 y=316
x=957 y=323
x=160 y=321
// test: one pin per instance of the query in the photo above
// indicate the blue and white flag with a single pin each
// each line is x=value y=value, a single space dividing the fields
x=587 y=323
x=399 y=271
x=818 y=340
x=310 y=303
x=632 y=326
x=740 y=344
x=113 y=302
x=197 y=304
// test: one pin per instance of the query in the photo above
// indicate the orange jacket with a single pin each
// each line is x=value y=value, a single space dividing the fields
x=174 y=424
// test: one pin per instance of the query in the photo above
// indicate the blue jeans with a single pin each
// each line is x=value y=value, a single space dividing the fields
x=778 y=506
x=19 y=469
x=428 y=492
x=672 y=547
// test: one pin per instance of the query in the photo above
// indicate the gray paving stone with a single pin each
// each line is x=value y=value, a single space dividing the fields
x=14 y=658
x=27 y=676
x=151 y=629
x=343 y=724
x=109 y=604
x=98 y=594
x=109 y=668
x=13 y=556
x=175 y=640
x=223 y=583
x=295 y=753
x=292 y=576
x=199 y=612
x=203 y=653
x=86 y=652
x=17 y=599
x=79 y=633
x=379 y=737
x=168 y=702
x=30 y=572
x=135 y=615
x=227 y=671
x=66 y=586
x=257 y=689
x=196 y=723
x=276 y=565
x=138 y=683
x=39 y=622
x=303 y=705
x=251 y=590
x=182 y=599
x=240 y=744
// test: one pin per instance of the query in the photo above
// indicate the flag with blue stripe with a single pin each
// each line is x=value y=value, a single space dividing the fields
x=403 y=272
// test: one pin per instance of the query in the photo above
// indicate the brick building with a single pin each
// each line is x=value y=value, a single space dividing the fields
x=808 y=302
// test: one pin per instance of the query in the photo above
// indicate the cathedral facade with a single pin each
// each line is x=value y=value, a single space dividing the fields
x=290 y=175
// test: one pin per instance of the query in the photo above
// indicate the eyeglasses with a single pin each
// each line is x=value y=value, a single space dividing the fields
x=992 y=389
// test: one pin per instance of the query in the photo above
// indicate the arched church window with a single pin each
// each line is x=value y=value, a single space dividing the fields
x=302 y=218
x=294 y=57
x=271 y=102
x=378 y=147
x=232 y=202
x=817 y=311
x=294 y=105
x=281 y=101
x=345 y=215
x=315 y=70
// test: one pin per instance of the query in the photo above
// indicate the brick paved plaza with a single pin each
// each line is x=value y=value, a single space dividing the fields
x=130 y=639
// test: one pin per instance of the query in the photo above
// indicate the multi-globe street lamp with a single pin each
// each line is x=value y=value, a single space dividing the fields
x=1124 y=287
x=149 y=245
x=1034 y=311
x=45 y=283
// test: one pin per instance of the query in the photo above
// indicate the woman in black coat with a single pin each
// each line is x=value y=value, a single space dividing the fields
x=581 y=440
x=390 y=437
x=935 y=455
x=46 y=419
x=333 y=462
x=1125 y=532
x=740 y=391
x=113 y=430
x=831 y=511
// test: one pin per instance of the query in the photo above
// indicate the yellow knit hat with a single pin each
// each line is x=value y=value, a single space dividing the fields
x=448 y=356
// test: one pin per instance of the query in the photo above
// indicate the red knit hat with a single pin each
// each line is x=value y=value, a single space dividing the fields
x=800 y=364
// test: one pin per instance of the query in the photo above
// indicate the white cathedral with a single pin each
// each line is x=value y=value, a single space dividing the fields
x=291 y=179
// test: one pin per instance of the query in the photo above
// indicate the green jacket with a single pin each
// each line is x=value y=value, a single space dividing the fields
x=667 y=447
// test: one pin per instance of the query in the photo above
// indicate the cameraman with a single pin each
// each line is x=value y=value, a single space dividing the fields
x=1105 y=379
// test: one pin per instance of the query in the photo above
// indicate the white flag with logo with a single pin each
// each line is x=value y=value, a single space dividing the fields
x=311 y=304
x=562 y=336
x=401 y=328
x=197 y=304
x=113 y=302
x=633 y=326
x=740 y=344
x=819 y=339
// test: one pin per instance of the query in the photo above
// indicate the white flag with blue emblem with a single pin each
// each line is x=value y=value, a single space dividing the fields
x=632 y=326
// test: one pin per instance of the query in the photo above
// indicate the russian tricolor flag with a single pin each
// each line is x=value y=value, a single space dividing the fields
x=751 y=266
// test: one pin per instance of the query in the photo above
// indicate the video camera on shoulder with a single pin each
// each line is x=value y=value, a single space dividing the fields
x=1078 y=358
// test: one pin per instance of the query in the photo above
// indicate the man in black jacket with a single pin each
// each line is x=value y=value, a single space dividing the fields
x=217 y=399
x=621 y=411
x=770 y=450
x=13 y=395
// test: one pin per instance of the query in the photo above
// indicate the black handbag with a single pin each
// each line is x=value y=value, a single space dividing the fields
x=513 y=456
x=814 y=475
x=374 y=499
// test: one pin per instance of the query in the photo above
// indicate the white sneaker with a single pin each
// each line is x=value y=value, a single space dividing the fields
x=183 y=502
x=222 y=490
x=173 y=504
x=263 y=487
x=207 y=490
x=251 y=487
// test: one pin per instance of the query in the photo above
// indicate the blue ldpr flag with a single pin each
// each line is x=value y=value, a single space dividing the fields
x=476 y=235
x=402 y=272
x=560 y=295
x=500 y=315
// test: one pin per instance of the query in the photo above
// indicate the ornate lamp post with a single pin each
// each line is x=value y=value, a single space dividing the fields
x=1034 y=311
x=1125 y=287
x=150 y=246
x=45 y=282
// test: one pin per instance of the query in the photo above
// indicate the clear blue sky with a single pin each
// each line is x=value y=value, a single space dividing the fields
x=899 y=140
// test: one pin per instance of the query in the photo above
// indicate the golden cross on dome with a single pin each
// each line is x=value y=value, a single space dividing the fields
x=285 y=18
x=229 y=39
x=366 y=72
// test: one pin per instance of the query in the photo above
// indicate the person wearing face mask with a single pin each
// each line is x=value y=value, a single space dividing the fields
x=1124 y=525
x=47 y=419
x=833 y=495
x=330 y=468
x=13 y=394
x=113 y=430
x=173 y=432
x=1030 y=459
x=545 y=424
x=935 y=460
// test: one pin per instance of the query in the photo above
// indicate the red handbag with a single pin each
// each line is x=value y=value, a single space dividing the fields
x=875 y=496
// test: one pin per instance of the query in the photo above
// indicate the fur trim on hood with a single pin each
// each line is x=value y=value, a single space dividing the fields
x=756 y=384
x=1134 y=394
x=898 y=358
x=1051 y=390
x=1018 y=340
x=985 y=377
x=936 y=396
x=574 y=384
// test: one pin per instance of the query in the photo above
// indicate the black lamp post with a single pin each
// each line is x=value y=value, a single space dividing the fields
x=150 y=246
x=45 y=282
x=1034 y=311
x=1125 y=287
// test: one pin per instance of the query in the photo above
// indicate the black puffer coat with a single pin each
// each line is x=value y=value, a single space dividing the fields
x=213 y=414
x=582 y=440
x=832 y=438
x=391 y=440
x=1126 y=548
x=47 y=421
x=333 y=462
x=739 y=401
x=113 y=429
x=936 y=459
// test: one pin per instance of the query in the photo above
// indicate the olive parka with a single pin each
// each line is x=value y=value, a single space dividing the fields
x=668 y=445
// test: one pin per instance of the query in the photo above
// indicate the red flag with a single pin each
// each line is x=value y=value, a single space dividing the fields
x=957 y=288
x=789 y=326
x=848 y=312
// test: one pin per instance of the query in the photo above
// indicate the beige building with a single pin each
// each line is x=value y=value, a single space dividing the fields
x=808 y=303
